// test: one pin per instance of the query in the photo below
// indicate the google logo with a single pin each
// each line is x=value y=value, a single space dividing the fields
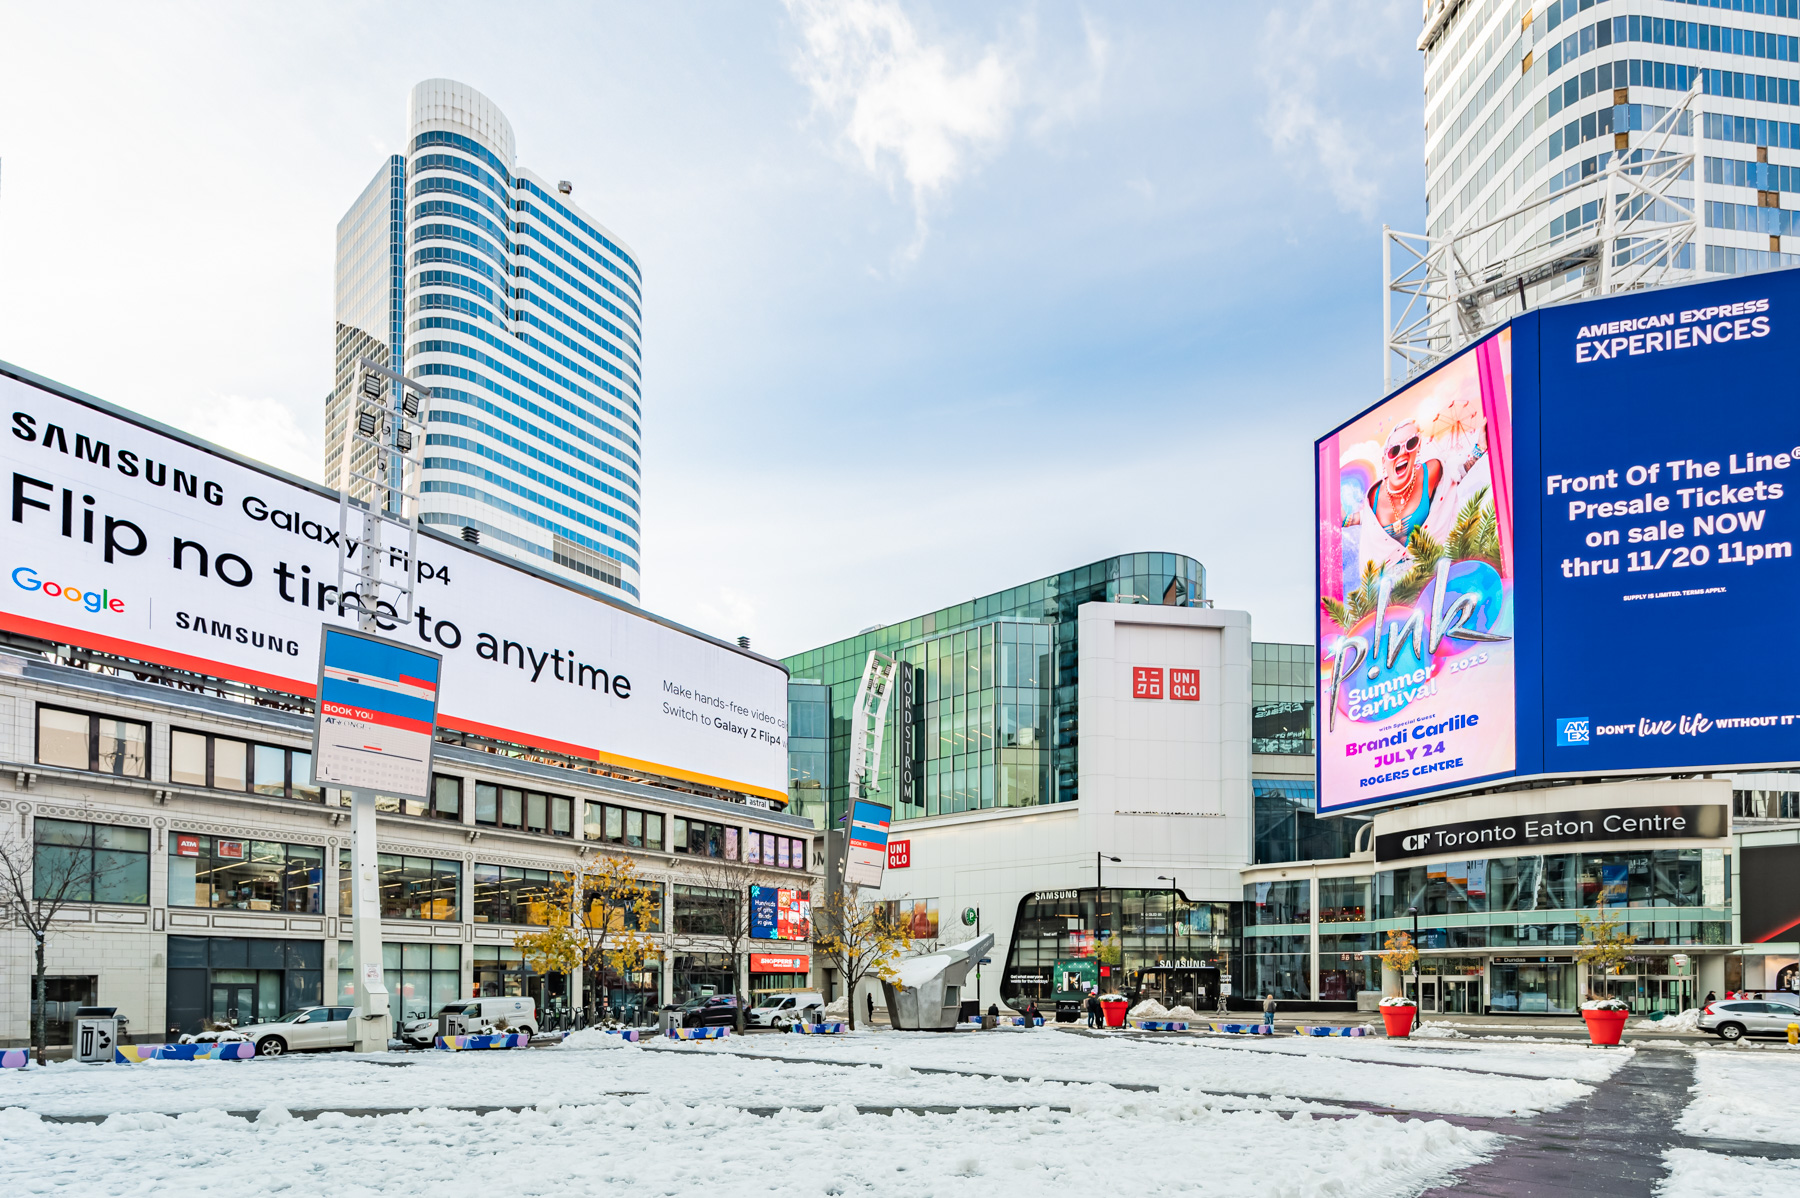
x=25 y=578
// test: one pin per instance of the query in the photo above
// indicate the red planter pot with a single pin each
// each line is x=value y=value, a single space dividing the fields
x=1605 y=1027
x=1399 y=1021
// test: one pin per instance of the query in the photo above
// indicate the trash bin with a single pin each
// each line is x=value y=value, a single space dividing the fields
x=1115 y=1007
x=96 y=1033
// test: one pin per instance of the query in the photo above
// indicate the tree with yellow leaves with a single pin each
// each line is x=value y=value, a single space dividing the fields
x=1401 y=953
x=862 y=939
x=599 y=919
x=1605 y=945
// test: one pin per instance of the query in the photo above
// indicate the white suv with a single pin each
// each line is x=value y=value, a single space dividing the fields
x=1738 y=1017
x=308 y=1029
x=783 y=1010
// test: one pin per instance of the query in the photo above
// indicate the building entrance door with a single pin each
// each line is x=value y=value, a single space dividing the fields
x=233 y=1003
x=1461 y=996
x=1428 y=994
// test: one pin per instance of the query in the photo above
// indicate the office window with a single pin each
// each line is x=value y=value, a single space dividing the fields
x=78 y=740
x=90 y=863
x=411 y=887
x=245 y=875
x=703 y=911
x=487 y=803
x=446 y=797
x=507 y=894
x=226 y=763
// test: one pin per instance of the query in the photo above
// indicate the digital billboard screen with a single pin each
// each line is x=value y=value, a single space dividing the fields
x=780 y=913
x=1568 y=550
x=126 y=538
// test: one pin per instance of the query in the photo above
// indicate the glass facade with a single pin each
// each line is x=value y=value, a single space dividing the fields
x=1283 y=680
x=1143 y=941
x=1495 y=933
x=994 y=715
x=525 y=319
x=809 y=749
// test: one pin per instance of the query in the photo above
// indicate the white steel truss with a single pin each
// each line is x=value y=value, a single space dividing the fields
x=383 y=458
x=1641 y=234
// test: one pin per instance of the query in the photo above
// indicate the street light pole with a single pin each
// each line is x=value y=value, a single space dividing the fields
x=1418 y=995
x=1099 y=889
x=1171 y=882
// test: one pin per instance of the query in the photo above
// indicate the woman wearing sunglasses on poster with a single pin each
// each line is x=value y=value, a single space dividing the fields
x=1410 y=483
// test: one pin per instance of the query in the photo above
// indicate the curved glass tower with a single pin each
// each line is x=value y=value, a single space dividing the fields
x=523 y=315
x=1532 y=99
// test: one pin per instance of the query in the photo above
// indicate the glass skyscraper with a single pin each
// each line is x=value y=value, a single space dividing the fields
x=1529 y=100
x=523 y=315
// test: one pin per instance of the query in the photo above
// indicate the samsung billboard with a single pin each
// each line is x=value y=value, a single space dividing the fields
x=127 y=538
x=1567 y=550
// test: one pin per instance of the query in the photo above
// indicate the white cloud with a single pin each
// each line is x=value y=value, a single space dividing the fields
x=263 y=429
x=912 y=106
x=1311 y=56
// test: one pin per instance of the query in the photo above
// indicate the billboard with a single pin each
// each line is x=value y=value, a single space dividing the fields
x=374 y=724
x=1416 y=586
x=125 y=537
x=1619 y=605
x=780 y=913
x=1770 y=902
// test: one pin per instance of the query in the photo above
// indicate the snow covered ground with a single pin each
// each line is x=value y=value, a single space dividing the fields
x=1712 y=1175
x=1244 y=1118
x=1747 y=1093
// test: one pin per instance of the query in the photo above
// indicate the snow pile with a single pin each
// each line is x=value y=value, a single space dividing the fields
x=1437 y=1031
x=1149 y=1009
x=838 y=1010
x=1694 y=1174
x=1687 y=1021
x=590 y=1038
x=913 y=970
x=1605 y=1004
x=1744 y=1096
x=1183 y=1011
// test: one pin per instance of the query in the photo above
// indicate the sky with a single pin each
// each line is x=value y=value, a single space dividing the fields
x=939 y=298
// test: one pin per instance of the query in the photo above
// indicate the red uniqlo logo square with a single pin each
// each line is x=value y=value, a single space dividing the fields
x=1184 y=684
x=1146 y=682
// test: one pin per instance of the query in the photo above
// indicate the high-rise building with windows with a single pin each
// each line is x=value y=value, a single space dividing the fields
x=523 y=314
x=1528 y=103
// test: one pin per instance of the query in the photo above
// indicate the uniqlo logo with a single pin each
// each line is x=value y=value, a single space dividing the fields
x=1146 y=682
x=1184 y=684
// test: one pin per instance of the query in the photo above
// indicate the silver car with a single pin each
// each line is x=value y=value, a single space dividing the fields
x=309 y=1029
x=1735 y=1018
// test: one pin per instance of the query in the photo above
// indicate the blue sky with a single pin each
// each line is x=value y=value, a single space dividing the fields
x=939 y=298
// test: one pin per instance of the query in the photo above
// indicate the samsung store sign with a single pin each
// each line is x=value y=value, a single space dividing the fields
x=1520 y=834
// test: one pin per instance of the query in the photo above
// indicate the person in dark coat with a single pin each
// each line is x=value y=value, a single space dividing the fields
x=871 y=997
x=1711 y=998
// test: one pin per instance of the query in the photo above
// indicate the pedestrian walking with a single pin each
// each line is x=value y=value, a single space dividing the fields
x=1711 y=998
x=871 y=997
x=1093 y=1010
x=1268 y=1010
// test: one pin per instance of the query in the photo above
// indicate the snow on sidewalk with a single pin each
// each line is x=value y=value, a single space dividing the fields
x=1304 y=1067
x=1694 y=1174
x=1149 y=1145
x=1748 y=1093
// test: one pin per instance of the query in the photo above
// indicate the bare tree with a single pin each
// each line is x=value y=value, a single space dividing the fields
x=32 y=893
x=730 y=920
x=863 y=938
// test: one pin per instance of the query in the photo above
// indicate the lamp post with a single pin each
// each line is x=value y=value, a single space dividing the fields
x=1417 y=995
x=1171 y=882
x=1099 y=887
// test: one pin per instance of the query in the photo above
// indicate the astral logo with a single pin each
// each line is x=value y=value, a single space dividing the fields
x=26 y=579
x=1572 y=733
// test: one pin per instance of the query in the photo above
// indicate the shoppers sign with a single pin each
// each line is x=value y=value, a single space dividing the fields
x=1509 y=835
x=779 y=913
x=1508 y=545
x=126 y=538
x=773 y=963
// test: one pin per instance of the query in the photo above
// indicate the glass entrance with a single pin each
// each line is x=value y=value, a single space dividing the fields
x=233 y=1003
x=1461 y=996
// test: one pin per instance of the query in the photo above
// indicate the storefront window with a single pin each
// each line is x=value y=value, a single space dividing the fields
x=91 y=863
x=1279 y=965
x=245 y=875
x=1534 y=987
x=1278 y=902
x=705 y=911
x=501 y=971
x=1344 y=969
x=226 y=979
x=420 y=978
x=1345 y=900
x=1120 y=939
x=411 y=887
x=507 y=894
x=700 y=975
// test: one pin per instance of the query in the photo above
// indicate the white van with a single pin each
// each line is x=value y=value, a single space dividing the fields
x=478 y=1017
x=787 y=1007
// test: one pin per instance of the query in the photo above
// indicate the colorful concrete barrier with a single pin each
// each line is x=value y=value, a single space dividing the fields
x=1021 y=1021
x=473 y=1043
x=1304 y=1030
x=634 y=1034
x=1240 y=1029
x=819 y=1029
x=1162 y=1025
x=137 y=1054
x=699 y=1033
x=15 y=1058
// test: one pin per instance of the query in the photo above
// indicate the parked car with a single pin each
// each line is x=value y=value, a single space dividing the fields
x=1734 y=1018
x=476 y=1017
x=721 y=1010
x=310 y=1029
x=782 y=1010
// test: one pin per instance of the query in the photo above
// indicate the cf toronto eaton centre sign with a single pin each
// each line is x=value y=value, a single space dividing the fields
x=1520 y=832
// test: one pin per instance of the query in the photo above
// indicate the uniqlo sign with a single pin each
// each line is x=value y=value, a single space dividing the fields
x=899 y=854
x=1184 y=684
x=1146 y=682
